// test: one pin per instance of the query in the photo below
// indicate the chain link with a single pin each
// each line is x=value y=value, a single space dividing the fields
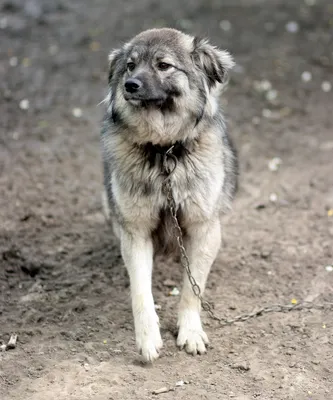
x=206 y=305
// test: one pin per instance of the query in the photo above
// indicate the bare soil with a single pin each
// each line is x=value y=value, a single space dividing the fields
x=63 y=288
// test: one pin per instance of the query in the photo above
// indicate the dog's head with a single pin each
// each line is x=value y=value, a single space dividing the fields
x=166 y=71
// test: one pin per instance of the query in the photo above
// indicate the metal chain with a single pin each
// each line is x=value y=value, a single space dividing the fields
x=206 y=305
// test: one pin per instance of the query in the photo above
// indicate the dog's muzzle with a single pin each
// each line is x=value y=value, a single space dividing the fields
x=140 y=93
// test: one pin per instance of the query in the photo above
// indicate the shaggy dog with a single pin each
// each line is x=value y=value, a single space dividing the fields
x=162 y=115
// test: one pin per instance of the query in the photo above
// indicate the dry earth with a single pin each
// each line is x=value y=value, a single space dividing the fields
x=63 y=288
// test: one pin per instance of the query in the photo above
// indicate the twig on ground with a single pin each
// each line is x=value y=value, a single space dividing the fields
x=12 y=342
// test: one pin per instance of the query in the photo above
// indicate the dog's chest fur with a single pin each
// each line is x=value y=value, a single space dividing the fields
x=137 y=180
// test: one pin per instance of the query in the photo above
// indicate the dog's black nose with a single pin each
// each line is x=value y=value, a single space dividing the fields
x=133 y=85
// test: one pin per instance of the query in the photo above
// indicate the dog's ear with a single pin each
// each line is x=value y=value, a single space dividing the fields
x=212 y=61
x=114 y=58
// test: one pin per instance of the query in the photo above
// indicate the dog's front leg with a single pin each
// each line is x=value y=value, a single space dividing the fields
x=202 y=246
x=137 y=252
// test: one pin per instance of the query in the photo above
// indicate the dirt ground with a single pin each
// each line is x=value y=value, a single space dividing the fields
x=63 y=287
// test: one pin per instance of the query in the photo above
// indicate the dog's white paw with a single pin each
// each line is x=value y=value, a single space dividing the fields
x=148 y=340
x=191 y=336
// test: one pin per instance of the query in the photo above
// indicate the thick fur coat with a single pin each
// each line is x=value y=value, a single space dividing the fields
x=163 y=96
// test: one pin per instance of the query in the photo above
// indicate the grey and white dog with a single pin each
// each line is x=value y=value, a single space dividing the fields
x=164 y=90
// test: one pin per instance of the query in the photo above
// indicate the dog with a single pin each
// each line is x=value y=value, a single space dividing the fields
x=163 y=100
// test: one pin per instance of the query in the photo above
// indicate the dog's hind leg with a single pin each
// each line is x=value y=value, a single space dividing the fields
x=137 y=252
x=202 y=246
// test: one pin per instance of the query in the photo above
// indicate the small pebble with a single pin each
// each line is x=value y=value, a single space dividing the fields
x=24 y=104
x=158 y=307
x=326 y=86
x=180 y=383
x=7 y=94
x=13 y=61
x=273 y=197
x=53 y=49
x=329 y=268
x=169 y=282
x=265 y=254
x=241 y=366
x=262 y=86
x=292 y=27
x=161 y=390
x=95 y=46
x=285 y=111
x=3 y=23
x=306 y=76
x=326 y=146
x=274 y=163
x=225 y=25
x=77 y=112
x=275 y=115
x=266 y=113
x=33 y=8
x=174 y=292
x=271 y=95
x=26 y=62
x=12 y=342
x=43 y=124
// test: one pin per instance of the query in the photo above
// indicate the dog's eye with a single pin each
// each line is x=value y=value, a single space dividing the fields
x=162 y=66
x=130 y=66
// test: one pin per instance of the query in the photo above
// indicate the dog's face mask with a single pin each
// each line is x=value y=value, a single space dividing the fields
x=153 y=76
x=162 y=67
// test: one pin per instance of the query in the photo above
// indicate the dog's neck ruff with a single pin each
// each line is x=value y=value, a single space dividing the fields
x=177 y=149
x=158 y=155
